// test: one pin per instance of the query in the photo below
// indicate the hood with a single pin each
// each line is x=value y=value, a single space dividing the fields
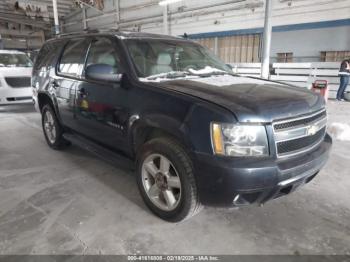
x=15 y=71
x=249 y=99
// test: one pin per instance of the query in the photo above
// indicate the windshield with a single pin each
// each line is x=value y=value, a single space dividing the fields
x=173 y=59
x=15 y=60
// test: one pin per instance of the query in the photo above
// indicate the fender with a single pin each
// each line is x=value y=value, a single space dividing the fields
x=141 y=126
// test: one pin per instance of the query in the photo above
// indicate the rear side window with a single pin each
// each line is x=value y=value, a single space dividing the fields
x=47 y=54
x=73 y=57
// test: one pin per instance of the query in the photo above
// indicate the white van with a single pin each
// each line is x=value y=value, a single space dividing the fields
x=15 y=76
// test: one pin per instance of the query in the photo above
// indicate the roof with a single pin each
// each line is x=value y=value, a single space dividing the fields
x=121 y=34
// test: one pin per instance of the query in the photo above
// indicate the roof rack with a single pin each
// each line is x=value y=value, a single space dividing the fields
x=88 y=31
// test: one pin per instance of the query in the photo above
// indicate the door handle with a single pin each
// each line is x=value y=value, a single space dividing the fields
x=54 y=84
x=83 y=92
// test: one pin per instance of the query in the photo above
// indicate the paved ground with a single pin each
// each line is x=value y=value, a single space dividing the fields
x=72 y=203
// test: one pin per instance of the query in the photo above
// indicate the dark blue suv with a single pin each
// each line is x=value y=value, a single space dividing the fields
x=195 y=133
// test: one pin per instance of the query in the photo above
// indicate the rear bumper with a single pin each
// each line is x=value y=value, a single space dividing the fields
x=223 y=181
x=15 y=95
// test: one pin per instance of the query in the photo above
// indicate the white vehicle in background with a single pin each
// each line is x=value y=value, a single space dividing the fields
x=15 y=76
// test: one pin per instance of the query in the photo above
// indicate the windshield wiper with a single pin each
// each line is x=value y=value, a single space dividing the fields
x=169 y=75
x=207 y=71
x=217 y=73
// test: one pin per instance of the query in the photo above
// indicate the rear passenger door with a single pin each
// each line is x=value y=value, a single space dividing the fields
x=68 y=77
x=101 y=106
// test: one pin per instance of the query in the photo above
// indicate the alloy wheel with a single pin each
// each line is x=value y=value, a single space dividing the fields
x=49 y=127
x=161 y=182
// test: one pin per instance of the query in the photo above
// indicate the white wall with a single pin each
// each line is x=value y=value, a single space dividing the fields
x=309 y=43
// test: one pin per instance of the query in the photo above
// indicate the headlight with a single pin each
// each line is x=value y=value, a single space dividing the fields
x=239 y=140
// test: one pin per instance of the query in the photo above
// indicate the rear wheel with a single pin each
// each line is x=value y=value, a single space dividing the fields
x=166 y=180
x=53 y=131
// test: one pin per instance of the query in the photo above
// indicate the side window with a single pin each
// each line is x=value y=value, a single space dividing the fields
x=47 y=53
x=103 y=51
x=40 y=59
x=73 y=57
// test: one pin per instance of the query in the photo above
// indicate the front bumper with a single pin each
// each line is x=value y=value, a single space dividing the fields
x=224 y=181
x=15 y=95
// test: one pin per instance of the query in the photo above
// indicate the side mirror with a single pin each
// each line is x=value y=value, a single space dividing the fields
x=102 y=72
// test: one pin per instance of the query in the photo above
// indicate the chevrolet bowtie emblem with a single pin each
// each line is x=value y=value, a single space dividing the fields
x=311 y=130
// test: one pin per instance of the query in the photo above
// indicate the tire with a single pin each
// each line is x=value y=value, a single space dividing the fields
x=157 y=185
x=49 y=121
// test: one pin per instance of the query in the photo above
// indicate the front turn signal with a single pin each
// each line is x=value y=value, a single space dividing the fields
x=217 y=139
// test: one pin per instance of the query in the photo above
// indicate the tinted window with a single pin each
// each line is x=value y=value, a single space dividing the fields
x=103 y=51
x=15 y=60
x=73 y=57
x=46 y=55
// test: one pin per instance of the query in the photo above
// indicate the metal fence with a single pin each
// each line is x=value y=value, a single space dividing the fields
x=297 y=74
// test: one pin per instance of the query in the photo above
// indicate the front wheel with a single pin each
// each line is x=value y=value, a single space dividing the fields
x=166 y=180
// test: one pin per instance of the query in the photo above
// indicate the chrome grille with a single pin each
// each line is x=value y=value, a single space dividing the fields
x=299 y=135
x=297 y=144
x=18 y=82
x=302 y=121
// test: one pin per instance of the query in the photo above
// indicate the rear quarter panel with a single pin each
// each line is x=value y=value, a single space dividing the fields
x=44 y=69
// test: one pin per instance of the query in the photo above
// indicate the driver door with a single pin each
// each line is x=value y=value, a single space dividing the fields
x=101 y=106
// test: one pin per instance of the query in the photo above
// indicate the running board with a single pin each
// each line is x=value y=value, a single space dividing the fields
x=110 y=156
